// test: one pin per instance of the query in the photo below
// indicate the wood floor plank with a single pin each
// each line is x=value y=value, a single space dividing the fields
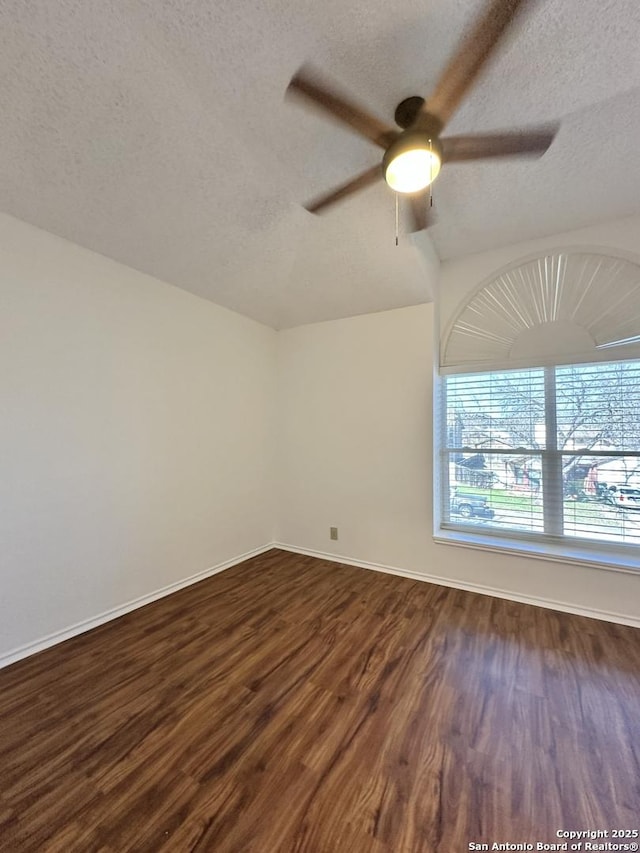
x=291 y=704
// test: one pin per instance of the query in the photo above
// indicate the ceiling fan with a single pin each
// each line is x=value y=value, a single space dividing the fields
x=413 y=156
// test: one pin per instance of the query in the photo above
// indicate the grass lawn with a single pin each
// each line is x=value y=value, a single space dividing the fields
x=502 y=500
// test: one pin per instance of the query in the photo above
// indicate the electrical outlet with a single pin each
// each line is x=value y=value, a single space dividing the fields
x=333 y=533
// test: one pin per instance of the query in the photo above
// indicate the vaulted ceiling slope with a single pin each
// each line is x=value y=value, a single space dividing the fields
x=155 y=132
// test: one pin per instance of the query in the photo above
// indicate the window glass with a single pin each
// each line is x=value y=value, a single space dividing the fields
x=552 y=452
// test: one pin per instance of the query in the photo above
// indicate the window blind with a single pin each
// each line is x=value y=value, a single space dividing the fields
x=551 y=452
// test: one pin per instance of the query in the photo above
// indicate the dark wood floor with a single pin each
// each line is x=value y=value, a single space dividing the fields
x=291 y=704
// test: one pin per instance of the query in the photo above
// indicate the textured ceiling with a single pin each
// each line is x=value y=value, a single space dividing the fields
x=155 y=132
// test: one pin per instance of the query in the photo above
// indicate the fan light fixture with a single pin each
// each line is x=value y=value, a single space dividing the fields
x=411 y=163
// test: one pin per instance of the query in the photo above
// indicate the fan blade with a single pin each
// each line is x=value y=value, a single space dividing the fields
x=358 y=183
x=420 y=212
x=525 y=143
x=306 y=83
x=467 y=62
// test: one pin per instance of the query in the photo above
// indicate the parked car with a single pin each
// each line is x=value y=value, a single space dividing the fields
x=470 y=505
x=623 y=496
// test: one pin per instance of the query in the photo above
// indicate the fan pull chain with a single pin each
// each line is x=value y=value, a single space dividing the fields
x=431 y=175
x=397 y=218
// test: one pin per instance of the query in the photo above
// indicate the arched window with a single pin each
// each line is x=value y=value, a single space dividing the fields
x=540 y=405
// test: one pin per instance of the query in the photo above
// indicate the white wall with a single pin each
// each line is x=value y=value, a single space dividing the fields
x=136 y=434
x=354 y=437
x=355 y=451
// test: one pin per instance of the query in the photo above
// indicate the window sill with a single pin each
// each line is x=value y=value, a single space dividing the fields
x=588 y=556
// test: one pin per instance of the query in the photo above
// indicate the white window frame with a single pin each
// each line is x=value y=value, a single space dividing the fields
x=553 y=544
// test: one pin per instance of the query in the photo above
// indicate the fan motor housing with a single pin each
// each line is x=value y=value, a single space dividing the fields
x=411 y=115
x=407 y=110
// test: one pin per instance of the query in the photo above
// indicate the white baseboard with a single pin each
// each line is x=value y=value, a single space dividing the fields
x=549 y=603
x=115 y=612
x=87 y=624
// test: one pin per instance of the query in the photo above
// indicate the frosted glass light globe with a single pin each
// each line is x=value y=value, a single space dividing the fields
x=413 y=170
